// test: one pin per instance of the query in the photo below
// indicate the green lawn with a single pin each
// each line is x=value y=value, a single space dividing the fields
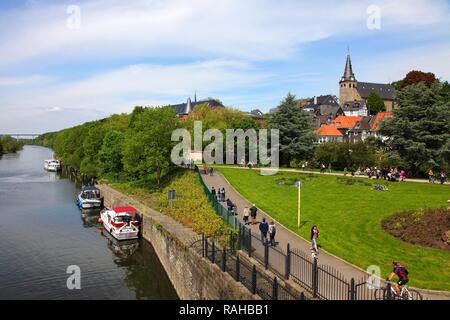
x=349 y=218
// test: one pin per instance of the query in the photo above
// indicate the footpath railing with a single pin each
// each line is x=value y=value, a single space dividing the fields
x=322 y=281
x=223 y=250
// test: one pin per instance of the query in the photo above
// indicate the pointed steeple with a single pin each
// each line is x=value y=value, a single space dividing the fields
x=348 y=72
x=188 y=106
x=195 y=97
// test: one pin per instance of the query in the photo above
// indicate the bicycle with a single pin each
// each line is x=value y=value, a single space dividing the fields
x=405 y=293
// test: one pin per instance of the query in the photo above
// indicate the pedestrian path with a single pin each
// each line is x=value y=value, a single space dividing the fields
x=285 y=236
x=324 y=173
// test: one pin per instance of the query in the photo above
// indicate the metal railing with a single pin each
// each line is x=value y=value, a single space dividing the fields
x=225 y=256
x=322 y=281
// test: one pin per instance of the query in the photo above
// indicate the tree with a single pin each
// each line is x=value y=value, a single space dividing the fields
x=375 y=103
x=420 y=129
x=148 y=143
x=346 y=155
x=415 y=77
x=110 y=154
x=297 y=137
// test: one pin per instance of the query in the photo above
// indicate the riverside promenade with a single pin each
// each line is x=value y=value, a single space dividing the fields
x=285 y=236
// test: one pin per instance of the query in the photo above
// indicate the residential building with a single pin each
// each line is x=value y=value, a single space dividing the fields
x=329 y=133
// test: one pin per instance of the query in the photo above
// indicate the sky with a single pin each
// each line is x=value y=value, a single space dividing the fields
x=63 y=63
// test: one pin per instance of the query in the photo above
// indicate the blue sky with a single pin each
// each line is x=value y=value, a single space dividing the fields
x=57 y=71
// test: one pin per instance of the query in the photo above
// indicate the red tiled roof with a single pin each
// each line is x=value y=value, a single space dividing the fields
x=346 y=122
x=380 y=116
x=328 y=131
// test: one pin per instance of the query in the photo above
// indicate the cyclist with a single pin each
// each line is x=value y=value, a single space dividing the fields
x=402 y=274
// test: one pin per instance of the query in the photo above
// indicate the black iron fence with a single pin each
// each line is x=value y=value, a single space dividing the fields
x=222 y=251
x=322 y=281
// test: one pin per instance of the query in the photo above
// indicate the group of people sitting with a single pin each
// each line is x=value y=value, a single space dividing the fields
x=249 y=164
x=392 y=174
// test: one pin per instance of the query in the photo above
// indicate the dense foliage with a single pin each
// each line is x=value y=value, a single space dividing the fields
x=415 y=77
x=420 y=130
x=375 y=103
x=297 y=136
x=135 y=146
x=9 y=145
x=189 y=207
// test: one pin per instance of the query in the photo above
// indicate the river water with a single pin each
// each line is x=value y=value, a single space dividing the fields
x=42 y=233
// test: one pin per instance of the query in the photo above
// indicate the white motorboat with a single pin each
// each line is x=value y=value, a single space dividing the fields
x=52 y=165
x=89 y=198
x=122 y=222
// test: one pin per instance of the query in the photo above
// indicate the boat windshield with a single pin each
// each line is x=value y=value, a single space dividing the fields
x=124 y=218
x=90 y=195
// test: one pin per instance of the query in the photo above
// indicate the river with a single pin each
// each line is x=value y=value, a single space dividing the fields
x=42 y=233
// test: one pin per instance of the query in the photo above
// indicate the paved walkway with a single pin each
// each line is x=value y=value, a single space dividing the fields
x=325 y=173
x=285 y=236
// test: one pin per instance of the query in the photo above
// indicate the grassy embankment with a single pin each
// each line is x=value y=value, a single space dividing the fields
x=190 y=206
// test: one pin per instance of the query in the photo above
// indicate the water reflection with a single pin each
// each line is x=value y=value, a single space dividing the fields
x=90 y=218
x=42 y=232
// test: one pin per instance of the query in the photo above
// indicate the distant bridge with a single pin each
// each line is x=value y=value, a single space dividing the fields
x=21 y=136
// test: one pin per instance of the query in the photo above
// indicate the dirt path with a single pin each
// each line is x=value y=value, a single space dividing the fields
x=285 y=236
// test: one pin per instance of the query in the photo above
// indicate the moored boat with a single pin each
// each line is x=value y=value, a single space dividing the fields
x=89 y=198
x=122 y=222
x=52 y=165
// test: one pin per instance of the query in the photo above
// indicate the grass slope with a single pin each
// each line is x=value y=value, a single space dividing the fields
x=349 y=218
x=190 y=206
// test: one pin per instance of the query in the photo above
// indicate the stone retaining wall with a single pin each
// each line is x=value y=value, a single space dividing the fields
x=192 y=276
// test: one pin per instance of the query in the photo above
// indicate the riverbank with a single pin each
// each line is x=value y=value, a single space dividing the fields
x=43 y=232
x=192 y=276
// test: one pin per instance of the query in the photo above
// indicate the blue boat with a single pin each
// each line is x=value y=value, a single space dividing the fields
x=89 y=198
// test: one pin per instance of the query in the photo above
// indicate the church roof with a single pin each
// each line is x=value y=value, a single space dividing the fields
x=348 y=71
x=385 y=91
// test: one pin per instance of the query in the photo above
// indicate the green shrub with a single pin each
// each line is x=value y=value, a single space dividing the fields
x=190 y=206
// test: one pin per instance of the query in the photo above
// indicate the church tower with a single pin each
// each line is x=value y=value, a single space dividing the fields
x=348 y=83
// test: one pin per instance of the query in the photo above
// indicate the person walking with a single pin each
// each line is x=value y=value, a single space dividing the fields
x=272 y=232
x=314 y=237
x=264 y=228
x=402 y=176
x=213 y=192
x=205 y=168
x=430 y=176
x=443 y=177
x=246 y=215
x=253 y=213
x=230 y=205
x=222 y=194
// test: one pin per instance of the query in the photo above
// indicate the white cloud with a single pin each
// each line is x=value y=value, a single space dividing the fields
x=253 y=29
x=22 y=81
x=119 y=90
x=395 y=65
x=228 y=38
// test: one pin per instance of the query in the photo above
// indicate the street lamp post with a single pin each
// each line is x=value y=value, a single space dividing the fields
x=298 y=184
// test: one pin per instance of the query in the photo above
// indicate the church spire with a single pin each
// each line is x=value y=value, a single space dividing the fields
x=348 y=72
